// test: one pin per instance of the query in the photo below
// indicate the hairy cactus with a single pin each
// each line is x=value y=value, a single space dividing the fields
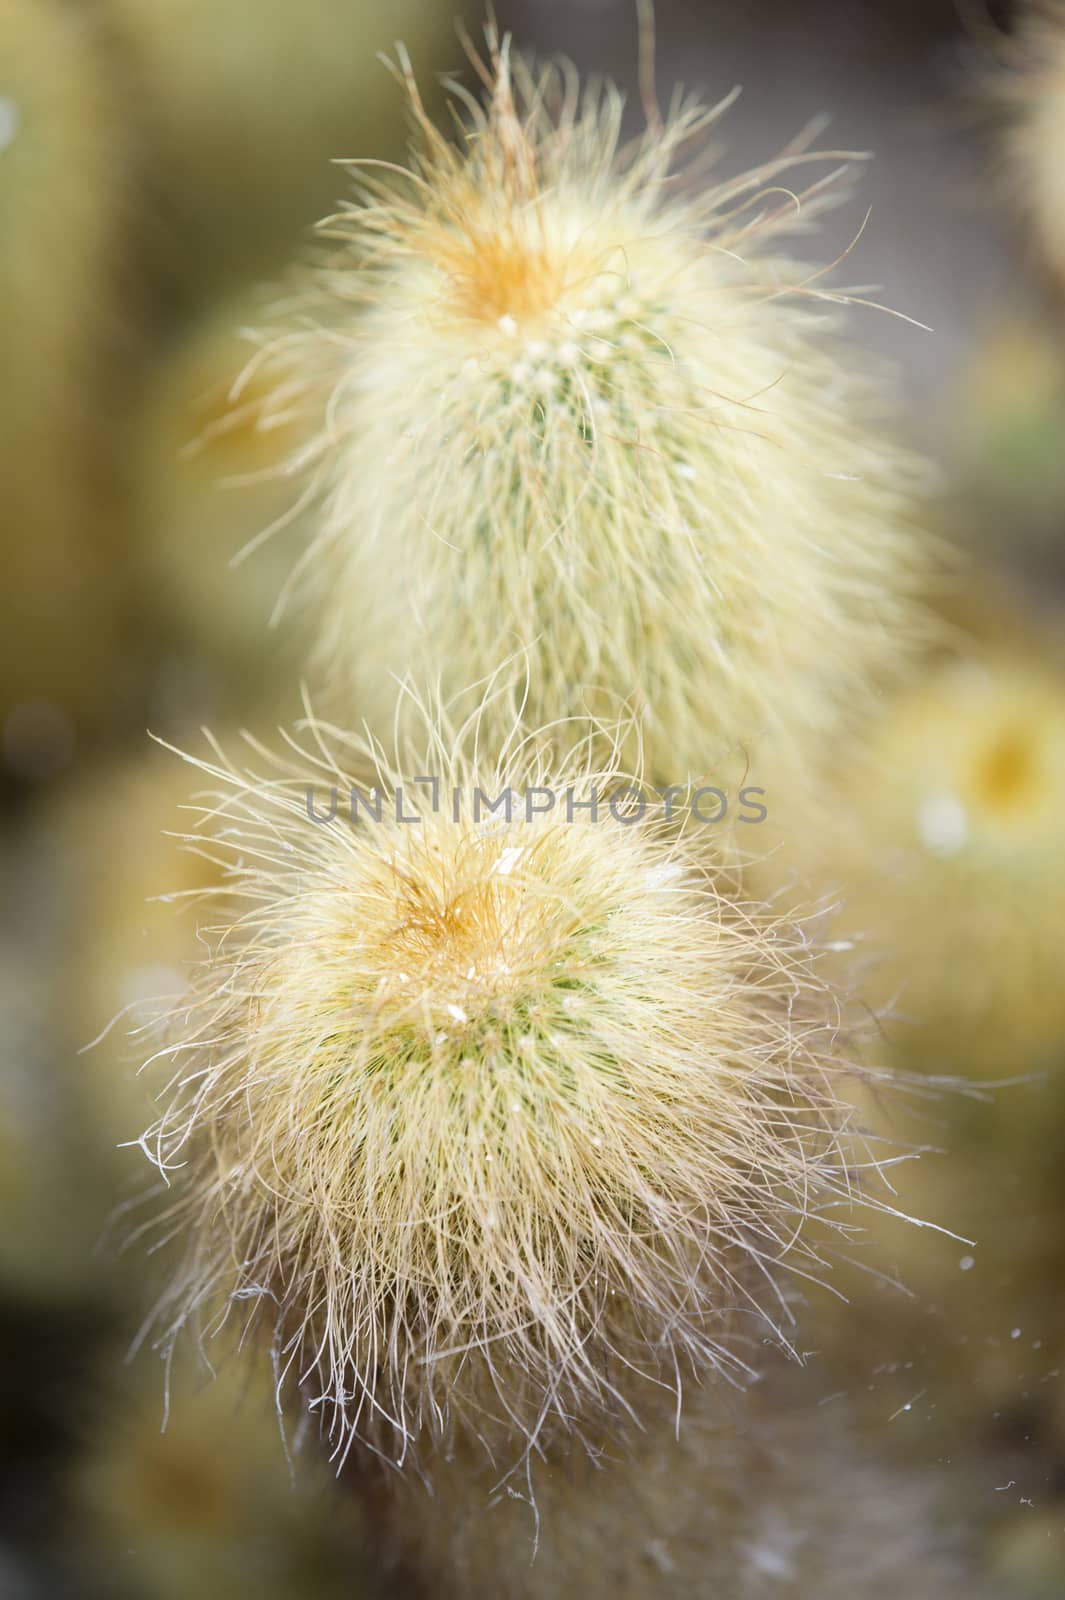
x=493 y=1122
x=581 y=409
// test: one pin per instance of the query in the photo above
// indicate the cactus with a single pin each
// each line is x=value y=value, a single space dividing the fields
x=61 y=198
x=245 y=105
x=580 y=411
x=494 y=1122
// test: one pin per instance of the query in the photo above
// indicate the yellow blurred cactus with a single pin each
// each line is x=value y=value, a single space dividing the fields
x=949 y=856
x=214 y=440
x=246 y=104
x=62 y=156
x=197 y=1497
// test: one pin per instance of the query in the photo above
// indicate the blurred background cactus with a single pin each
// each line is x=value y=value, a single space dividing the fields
x=66 y=151
x=160 y=163
x=245 y=105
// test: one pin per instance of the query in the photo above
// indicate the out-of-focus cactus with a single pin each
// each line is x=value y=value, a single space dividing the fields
x=949 y=855
x=249 y=102
x=213 y=442
x=1033 y=90
x=61 y=193
x=128 y=931
x=199 y=1498
x=745 y=1506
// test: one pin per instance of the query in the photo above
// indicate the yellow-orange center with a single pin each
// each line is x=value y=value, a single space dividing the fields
x=1007 y=771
